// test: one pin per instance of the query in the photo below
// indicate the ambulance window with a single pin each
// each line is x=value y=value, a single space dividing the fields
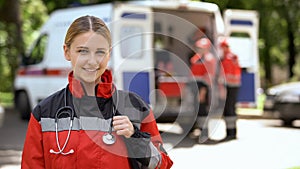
x=131 y=42
x=37 y=53
x=240 y=34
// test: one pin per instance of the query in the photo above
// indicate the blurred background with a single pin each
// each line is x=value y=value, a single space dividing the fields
x=279 y=49
x=279 y=40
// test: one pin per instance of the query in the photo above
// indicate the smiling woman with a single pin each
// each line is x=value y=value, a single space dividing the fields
x=90 y=116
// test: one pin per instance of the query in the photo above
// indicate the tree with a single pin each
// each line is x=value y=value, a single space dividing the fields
x=57 y=4
x=279 y=31
x=12 y=43
x=19 y=20
x=289 y=11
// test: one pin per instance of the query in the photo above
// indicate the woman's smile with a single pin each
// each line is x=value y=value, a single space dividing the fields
x=91 y=69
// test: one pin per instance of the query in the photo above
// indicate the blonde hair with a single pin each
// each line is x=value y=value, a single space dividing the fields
x=85 y=24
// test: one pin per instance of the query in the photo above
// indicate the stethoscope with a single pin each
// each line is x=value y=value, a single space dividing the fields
x=108 y=138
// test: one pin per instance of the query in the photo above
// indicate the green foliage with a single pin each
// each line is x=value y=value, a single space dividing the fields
x=4 y=68
x=278 y=20
x=221 y=3
x=12 y=34
x=34 y=15
x=6 y=99
x=296 y=70
x=58 y=4
x=295 y=167
x=8 y=55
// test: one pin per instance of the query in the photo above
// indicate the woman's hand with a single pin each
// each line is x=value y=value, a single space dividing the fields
x=123 y=126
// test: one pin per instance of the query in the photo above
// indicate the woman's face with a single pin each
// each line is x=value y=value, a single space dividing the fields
x=89 y=54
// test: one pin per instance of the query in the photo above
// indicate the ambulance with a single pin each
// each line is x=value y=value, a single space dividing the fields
x=152 y=42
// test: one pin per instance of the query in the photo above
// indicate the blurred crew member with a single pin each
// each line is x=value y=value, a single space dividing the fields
x=232 y=72
x=203 y=69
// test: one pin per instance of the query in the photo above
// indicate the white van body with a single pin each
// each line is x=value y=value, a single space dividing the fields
x=139 y=30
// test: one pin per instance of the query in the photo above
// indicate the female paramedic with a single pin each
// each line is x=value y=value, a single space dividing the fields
x=89 y=123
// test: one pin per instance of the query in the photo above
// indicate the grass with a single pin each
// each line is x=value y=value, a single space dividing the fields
x=6 y=99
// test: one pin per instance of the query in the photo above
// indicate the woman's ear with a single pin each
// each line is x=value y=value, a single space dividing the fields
x=67 y=52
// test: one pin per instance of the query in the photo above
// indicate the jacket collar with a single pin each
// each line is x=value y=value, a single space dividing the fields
x=105 y=89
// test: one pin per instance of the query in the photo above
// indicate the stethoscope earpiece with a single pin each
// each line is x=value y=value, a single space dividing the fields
x=60 y=152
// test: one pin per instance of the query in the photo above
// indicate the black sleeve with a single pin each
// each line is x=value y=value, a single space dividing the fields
x=138 y=147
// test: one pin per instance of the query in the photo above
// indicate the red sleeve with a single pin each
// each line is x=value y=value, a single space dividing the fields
x=149 y=125
x=33 y=155
x=195 y=58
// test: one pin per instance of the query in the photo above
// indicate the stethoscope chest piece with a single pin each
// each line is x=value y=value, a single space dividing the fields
x=108 y=138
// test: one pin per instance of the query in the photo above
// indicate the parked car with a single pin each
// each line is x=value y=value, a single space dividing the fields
x=284 y=99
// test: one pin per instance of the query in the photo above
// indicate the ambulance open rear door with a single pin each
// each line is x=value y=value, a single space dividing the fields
x=241 y=26
x=132 y=55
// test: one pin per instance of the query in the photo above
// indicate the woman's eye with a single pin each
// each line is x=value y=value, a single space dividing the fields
x=101 y=53
x=83 y=52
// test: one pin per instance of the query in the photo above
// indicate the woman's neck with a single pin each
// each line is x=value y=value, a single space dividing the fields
x=90 y=88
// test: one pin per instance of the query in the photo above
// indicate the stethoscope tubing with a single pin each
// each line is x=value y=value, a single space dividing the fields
x=71 y=113
x=61 y=150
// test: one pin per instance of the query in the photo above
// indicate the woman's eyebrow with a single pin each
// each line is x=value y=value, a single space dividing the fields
x=82 y=47
x=102 y=49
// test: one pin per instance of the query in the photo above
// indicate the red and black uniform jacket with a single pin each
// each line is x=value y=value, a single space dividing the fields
x=203 y=68
x=232 y=70
x=92 y=119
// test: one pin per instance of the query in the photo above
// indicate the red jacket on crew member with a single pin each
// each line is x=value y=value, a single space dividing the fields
x=231 y=69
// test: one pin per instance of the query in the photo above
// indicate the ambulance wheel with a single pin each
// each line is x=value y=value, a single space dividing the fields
x=22 y=105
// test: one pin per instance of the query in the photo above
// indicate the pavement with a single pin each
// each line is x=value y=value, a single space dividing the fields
x=260 y=144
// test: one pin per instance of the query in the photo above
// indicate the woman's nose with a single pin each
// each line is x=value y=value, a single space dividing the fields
x=94 y=59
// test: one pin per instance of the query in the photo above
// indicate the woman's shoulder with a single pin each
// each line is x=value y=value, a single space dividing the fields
x=53 y=97
x=132 y=97
x=132 y=104
x=45 y=107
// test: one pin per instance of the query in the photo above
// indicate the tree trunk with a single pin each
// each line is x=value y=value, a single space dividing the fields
x=292 y=50
x=265 y=55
